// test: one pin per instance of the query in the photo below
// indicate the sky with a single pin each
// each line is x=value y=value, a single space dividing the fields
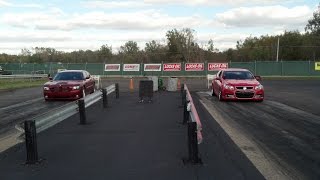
x=69 y=25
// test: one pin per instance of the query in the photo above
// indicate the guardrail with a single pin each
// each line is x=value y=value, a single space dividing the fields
x=191 y=118
x=49 y=119
x=23 y=76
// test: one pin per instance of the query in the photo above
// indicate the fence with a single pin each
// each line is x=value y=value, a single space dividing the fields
x=263 y=68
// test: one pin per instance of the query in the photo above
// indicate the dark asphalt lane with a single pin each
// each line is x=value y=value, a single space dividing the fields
x=129 y=140
x=301 y=94
x=12 y=97
x=286 y=124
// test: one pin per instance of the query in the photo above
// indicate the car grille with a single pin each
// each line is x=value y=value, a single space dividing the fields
x=60 y=89
x=242 y=87
x=244 y=94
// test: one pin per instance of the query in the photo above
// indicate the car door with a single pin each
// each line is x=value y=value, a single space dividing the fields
x=90 y=82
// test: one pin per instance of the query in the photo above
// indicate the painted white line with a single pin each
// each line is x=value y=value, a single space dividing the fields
x=265 y=165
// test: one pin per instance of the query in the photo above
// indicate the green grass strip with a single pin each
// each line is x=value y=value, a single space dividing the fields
x=9 y=84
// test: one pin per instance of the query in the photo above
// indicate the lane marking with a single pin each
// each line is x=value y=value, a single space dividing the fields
x=265 y=165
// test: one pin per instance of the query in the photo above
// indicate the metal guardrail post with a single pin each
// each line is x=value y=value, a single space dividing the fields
x=31 y=142
x=185 y=113
x=181 y=89
x=184 y=97
x=105 y=98
x=117 y=90
x=193 y=144
x=82 y=111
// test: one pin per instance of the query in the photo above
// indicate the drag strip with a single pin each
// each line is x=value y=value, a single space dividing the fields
x=287 y=137
x=17 y=113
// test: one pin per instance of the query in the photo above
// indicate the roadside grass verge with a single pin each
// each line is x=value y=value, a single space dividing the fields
x=290 y=77
x=9 y=84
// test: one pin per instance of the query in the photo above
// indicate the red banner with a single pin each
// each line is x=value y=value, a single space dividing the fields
x=194 y=66
x=172 y=67
x=217 y=66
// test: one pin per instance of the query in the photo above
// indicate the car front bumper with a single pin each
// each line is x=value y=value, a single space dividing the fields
x=254 y=95
x=72 y=95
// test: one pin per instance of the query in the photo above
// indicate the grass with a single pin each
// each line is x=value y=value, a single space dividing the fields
x=9 y=84
x=290 y=77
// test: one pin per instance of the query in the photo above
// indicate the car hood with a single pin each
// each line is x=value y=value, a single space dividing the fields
x=63 y=83
x=249 y=82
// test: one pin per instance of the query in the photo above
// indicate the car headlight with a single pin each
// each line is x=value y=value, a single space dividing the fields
x=259 y=87
x=75 y=87
x=226 y=86
x=46 y=88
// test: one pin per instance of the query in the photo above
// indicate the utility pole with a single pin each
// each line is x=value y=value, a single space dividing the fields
x=278 y=51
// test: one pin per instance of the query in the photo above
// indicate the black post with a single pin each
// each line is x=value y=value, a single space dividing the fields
x=105 y=97
x=184 y=96
x=117 y=91
x=31 y=142
x=193 y=143
x=82 y=111
x=181 y=89
x=185 y=113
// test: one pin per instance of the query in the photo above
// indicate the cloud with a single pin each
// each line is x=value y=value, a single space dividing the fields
x=114 y=4
x=140 y=20
x=4 y=3
x=213 y=2
x=265 y=16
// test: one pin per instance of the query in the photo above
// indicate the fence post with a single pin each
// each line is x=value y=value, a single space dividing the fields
x=31 y=142
x=117 y=90
x=82 y=111
x=105 y=97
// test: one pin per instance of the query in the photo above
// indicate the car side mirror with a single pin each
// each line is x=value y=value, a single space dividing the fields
x=258 y=78
x=217 y=78
x=88 y=77
x=50 y=78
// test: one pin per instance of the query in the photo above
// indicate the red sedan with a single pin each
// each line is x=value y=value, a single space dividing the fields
x=69 y=84
x=237 y=84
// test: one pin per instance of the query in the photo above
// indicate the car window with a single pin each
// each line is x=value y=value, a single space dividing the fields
x=237 y=75
x=69 y=76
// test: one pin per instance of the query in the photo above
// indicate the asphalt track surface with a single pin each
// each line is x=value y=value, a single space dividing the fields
x=286 y=125
x=129 y=140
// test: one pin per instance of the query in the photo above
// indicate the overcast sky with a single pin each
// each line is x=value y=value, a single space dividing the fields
x=87 y=24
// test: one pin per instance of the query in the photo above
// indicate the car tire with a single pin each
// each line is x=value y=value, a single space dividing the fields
x=220 y=96
x=83 y=93
x=212 y=93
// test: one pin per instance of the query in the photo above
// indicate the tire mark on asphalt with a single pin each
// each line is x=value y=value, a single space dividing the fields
x=290 y=135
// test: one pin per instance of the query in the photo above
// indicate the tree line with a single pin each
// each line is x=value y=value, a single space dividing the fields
x=182 y=46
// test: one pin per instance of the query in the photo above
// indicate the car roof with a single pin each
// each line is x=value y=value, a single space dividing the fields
x=72 y=71
x=235 y=69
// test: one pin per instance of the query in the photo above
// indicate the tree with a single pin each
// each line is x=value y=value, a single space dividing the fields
x=181 y=44
x=313 y=25
x=105 y=53
x=130 y=47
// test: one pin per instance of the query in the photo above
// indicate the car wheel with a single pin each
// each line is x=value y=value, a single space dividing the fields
x=212 y=93
x=220 y=96
x=83 y=93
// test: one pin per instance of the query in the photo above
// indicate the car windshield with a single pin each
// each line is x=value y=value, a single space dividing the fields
x=69 y=76
x=237 y=75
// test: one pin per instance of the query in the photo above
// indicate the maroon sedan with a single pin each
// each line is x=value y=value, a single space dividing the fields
x=237 y=84
x=69 y=84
